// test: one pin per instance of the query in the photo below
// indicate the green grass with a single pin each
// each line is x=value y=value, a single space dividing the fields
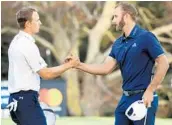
x=89 y=121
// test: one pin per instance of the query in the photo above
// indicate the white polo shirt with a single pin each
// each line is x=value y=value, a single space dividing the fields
x=24 y=62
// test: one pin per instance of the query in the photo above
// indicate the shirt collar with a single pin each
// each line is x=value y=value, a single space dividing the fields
x=28 y=36
x=133 y=33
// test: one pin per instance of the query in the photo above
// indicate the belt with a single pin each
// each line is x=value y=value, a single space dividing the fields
x=129 y=93
x=25 y=92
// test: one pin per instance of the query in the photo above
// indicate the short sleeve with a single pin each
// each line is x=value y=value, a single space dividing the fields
x=112 y=52
x=32 y=56
x=153 y=46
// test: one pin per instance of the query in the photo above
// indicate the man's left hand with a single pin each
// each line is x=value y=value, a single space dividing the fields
x=148 y=97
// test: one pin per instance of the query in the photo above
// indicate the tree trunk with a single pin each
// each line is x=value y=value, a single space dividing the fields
x=92 y=96
x=73 y=93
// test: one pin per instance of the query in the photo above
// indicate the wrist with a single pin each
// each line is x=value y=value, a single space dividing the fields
x=151 y=88
x=68 y=65
x=79 y=65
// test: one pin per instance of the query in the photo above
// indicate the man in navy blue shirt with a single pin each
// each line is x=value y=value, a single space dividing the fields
x=136 y=52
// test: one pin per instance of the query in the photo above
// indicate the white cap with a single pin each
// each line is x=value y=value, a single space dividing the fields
x=136 y=111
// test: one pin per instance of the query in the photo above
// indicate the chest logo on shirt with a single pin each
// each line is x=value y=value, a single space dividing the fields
x=134 y=45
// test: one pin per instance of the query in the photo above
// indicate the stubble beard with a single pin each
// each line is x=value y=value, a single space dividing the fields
x=120 y=26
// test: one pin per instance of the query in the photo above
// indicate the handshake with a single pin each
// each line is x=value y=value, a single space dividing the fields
x=73 y=61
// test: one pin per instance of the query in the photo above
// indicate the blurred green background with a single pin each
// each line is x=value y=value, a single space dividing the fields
x=89 y=121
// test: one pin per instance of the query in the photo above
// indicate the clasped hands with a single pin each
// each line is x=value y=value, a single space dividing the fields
x=73 y=61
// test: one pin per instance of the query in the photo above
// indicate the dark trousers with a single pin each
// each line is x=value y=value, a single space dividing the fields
x=28 y=110
x=125 y=102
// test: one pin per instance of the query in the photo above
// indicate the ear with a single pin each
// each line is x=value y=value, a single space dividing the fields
x=126 y=17
x=129 y=16
x=27 y=24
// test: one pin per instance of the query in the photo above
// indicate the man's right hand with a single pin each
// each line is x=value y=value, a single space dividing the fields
x=72 y=60
x=53 y=72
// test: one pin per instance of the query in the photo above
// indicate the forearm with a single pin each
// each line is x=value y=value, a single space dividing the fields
x=53 y=72
x=159 y=75
x=96 y=69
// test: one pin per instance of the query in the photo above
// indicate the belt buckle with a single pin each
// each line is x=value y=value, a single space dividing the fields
x=126 y=93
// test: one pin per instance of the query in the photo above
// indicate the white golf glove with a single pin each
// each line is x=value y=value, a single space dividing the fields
x=12 y=105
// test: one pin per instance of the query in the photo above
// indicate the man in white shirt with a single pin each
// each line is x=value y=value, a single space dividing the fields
x=26 y=66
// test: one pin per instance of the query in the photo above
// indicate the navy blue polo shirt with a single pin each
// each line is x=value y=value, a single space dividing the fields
x=136 y=56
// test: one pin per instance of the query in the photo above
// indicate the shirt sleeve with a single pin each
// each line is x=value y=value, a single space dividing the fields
x=153 y=46
x=32 y=56
x=112 y=52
